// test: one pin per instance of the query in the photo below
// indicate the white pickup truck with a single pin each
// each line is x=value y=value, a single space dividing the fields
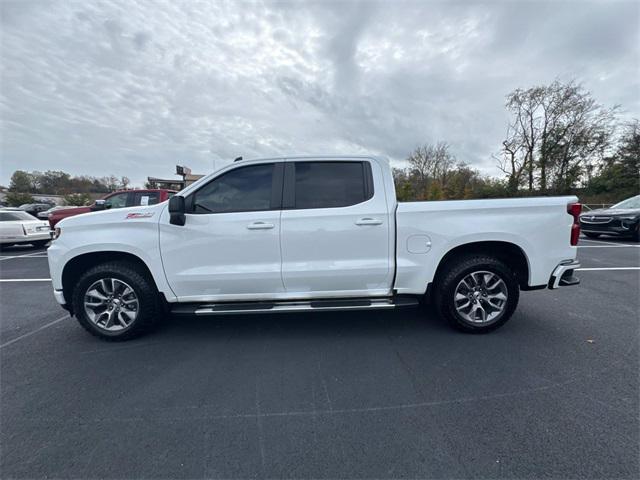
x=301 y=234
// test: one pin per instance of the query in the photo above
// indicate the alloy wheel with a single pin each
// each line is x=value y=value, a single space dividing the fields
x=111 y=304
x=481 y=297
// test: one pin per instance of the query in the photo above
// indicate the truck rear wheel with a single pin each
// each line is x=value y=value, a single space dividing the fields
x=477 y=293
x=116 y=301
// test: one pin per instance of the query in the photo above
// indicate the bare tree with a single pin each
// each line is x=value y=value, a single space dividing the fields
x=430 y=163
x=511 y=161
x=557 y=131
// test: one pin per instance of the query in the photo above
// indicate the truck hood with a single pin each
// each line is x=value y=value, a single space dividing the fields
x=74 y=210
x=118 y=215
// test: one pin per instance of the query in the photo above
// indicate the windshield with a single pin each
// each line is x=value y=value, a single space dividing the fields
x=15 y=215
x=633 y=202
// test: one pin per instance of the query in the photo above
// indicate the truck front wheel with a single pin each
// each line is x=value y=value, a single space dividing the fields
x=116 y=301
x=477 y=293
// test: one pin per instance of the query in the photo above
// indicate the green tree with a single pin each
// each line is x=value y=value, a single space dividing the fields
x=77 y=199
x=435 y=191
x=21 y=181
x=55 y=182
x=619 y=176
x=15 y=199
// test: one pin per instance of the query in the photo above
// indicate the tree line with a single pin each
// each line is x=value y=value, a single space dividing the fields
x=56 y=182
x=435 y=174
x=76 y=190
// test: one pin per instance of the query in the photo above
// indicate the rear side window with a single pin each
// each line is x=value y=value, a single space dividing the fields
x=331 y=184
x=244 y=189
x=13 y=216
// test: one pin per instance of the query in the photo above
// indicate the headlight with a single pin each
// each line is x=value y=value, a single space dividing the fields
x=56 y=233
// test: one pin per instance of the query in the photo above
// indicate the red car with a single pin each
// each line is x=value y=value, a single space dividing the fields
x=126 y=198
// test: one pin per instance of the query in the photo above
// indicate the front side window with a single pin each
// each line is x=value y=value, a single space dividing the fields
x=117 y=201
x=331 y=184
x=244 y=189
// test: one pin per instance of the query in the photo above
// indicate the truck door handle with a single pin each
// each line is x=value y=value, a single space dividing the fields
x=260 y=226
x=369 y=221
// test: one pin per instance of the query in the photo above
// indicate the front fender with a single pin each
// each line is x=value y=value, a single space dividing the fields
x=138 y=238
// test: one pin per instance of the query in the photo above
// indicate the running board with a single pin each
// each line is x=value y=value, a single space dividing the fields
x=324 y=305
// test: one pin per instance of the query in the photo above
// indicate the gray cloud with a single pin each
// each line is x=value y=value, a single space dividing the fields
x=135 y=87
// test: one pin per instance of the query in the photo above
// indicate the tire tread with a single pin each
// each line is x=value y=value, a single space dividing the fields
x=140 y=281
x=459 y=266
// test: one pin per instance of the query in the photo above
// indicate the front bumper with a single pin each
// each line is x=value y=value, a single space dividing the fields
x=19 y=239
x=563 y=275
x=615 y=227
x=59 y=296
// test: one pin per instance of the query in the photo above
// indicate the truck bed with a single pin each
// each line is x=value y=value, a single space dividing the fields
x=427 y=231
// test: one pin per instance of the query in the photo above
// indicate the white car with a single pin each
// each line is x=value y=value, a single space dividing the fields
x=301 y=234
x=18 y=227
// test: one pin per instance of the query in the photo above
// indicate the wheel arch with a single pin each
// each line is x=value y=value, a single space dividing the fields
x=508 y=252
x=74 y=268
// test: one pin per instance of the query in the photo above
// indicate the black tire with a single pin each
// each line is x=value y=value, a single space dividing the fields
x=40 y=243
x=460 y=268
x=591 y=235
x=636 y=235
x=149 y=311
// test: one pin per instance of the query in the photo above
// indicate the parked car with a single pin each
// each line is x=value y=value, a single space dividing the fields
x=126 y=198
x=309 y=234
x=35 y=208
x=18 y=227
x=620 y=220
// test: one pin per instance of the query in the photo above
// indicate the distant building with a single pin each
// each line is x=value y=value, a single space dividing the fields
x=172 y=184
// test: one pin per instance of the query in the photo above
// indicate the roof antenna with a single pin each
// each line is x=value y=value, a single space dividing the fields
x=238 y=159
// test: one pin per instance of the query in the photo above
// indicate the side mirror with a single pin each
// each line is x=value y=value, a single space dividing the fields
x=176 y=211
x=99 y=205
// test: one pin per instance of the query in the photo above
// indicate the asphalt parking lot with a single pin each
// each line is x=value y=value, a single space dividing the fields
x=553 y=394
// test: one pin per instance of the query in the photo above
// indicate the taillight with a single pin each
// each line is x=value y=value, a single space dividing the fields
x=574 y=209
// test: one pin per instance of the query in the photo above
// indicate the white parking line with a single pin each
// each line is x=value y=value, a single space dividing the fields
x=9 y=280
x=50 y=324
x=595 y=269
x=604 y=242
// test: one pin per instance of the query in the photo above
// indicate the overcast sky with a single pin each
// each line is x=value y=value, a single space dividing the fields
x=134 y=88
